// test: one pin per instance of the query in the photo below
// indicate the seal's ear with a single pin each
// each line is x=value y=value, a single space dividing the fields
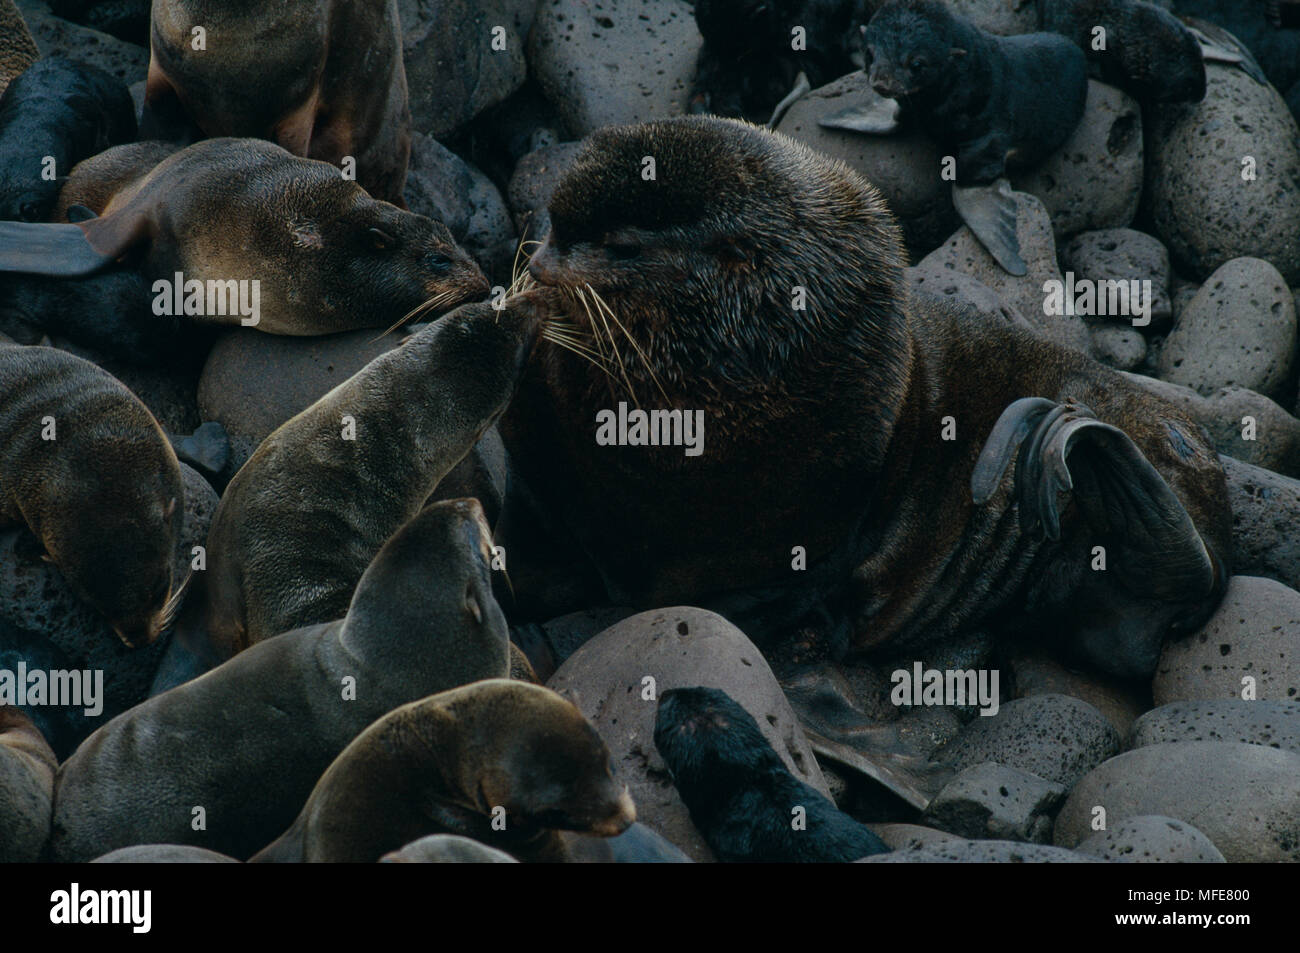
x=956 y=53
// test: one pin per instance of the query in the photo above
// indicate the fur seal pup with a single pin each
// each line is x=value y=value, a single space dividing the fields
x=57 y=110
x=444 y=764
x=27 y=767
x=741 y=796
x=94 y=182
x=323 y=78
x=994 y=103
x=747 y=63
x=17 y=48
x=247 y=741
x=326 y=255
x=298 y=523
x=86 y=468
x=825 y=427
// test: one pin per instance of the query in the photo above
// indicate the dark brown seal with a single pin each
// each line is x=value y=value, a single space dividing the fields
x=247 y=741
x=326 y=256
x=323 y=78
x=17 y=48
x=27 y=767
x=825 y=427
x=86 y=468
x=298 y=523
x=446 y=763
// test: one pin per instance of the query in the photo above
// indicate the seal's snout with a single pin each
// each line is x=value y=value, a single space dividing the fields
x=623 y=817
x=544 y=265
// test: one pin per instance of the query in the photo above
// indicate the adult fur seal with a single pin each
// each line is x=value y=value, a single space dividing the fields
x=824 y=426
x=57 y=110
x=27 y=767
x=992 y=102
x=326 y=255
x=1148 y=52
x=247 y=741
x=446 y=763
x=323 y=78
x=17 y=48
x=741 y=796
x=86 y=468
x=303 y=516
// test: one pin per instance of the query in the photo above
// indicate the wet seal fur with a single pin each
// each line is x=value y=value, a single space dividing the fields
x=328 y=256
x=17 y=48
x=824 y=426
x=27 y=767
x=104 y=498
x=322 y=78
x=443 y=764
x=59 y=109
x=248 y=740
x=298 y=523
x=740 y=793
x=994 y=103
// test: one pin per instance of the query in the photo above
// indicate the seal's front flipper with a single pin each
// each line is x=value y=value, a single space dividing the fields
x=801 y=88
x=41 y=248
x=1157 y=550
x=875 y=116
x=990 y=212
x=1219 y=46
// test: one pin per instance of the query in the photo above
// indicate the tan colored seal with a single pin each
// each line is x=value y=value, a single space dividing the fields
x=17 y=48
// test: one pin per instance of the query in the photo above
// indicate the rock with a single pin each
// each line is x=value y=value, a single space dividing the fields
x=168 y=391
x=678 y=647
x=964 y=291
x=1003 y=17
x=1270 y=723
x=253 y=382
x=963 y=253
x=1255 y=633
x=447 y=849
x=1244 y=798
x=126 y=61
x=1223 y=414
x=1035 y=673
x=533 y=182
x=1056 y=737
x=27 y=767
x=1265 y=512
x=207 y=450
x=453 y=70
x=981 y=852
x=490 y=235
x=912 y=836
x=1181 y=294
x=1239 y=330
x=1095 y=179
x=996 y=802
x=35 y=597
x=568 y=633
x=1201 y=206
x=1123 y=254
x=1151 y=839
x=903 y=166
x=125 y=19
x=623 y=61
x=164 y=854
x=1121 y=348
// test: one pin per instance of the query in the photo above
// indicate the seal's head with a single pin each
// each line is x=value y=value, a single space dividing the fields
x=715 y=261
x=908 y=46
x=708 y=740
x=550 y=769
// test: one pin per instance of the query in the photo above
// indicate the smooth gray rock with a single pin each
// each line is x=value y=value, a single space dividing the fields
x=1270 y=723
x=996 y=802
x=1151 y=839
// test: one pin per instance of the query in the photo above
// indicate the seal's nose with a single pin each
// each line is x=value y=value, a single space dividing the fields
x=543 y=263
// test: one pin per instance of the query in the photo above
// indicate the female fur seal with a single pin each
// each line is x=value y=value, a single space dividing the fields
x=27 y=767
x=86 y=468
x=247 y=741
x=323 y=78
x=57 y=110
x=17 y=48
x=304 y=515
x=445 y=763
x=325 y=255
x=826 y=427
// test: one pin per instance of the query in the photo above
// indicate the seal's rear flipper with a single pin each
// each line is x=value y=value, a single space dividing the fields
x=41 y=248
x=1127 y=503
x=801 y=88
x=990 y=212
x=1220 y=46
x=875 y=116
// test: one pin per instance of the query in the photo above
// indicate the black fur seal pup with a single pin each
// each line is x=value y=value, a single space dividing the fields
x=742 y=797
x=62 y=110
x=247 y=741
x=994 y=103
x=445 y=763
x=824 y=428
